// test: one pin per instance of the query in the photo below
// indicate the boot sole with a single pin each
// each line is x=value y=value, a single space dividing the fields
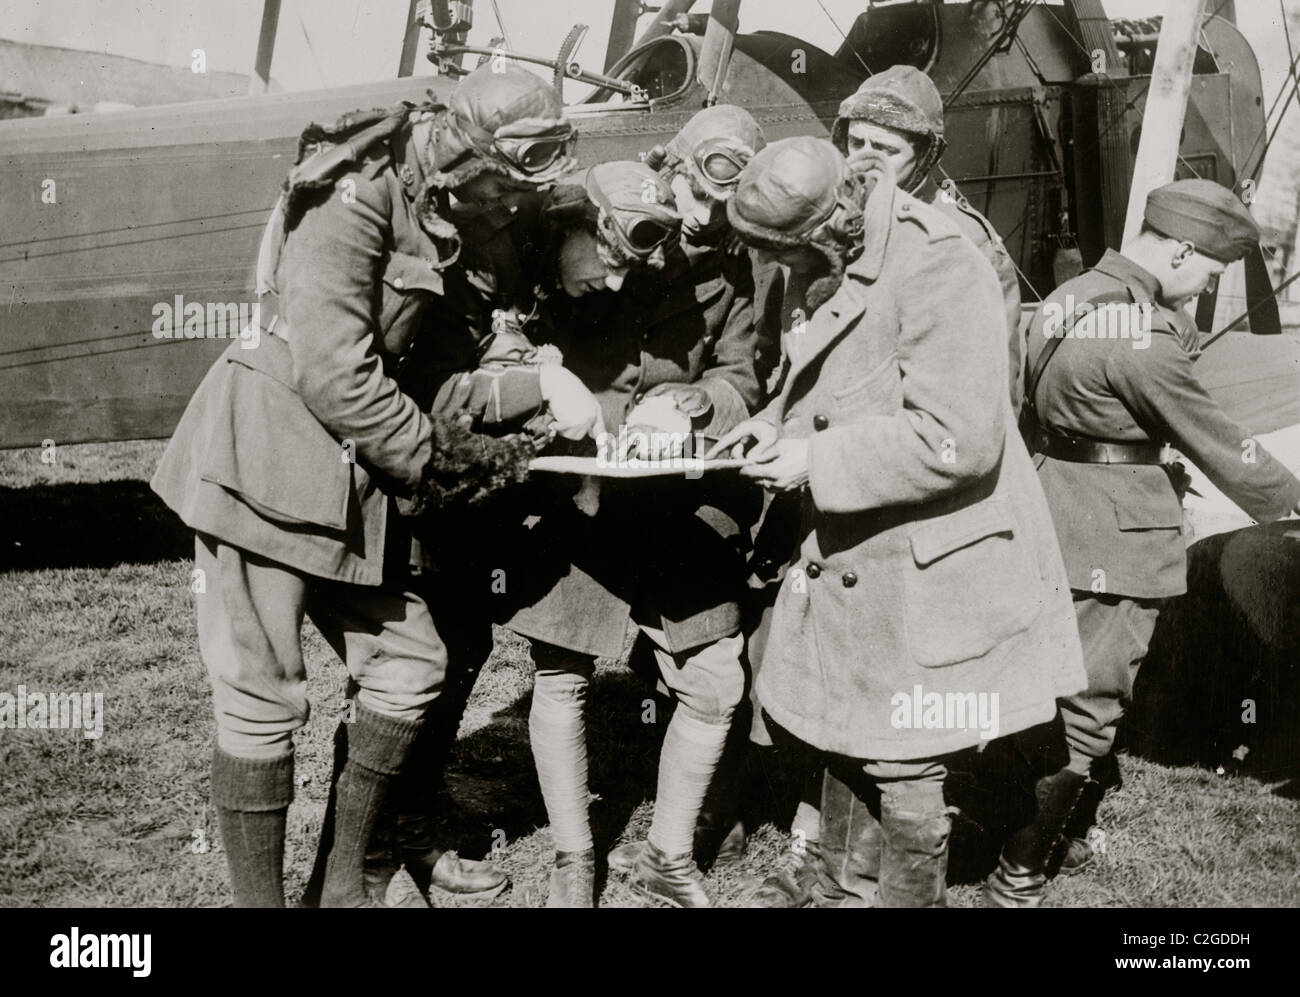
x=663 y=901
x=1074 y=870
x=488 y=894
x=642 y=891
x=992 y=899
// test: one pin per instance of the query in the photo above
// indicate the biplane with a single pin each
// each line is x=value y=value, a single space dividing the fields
x=114 y=221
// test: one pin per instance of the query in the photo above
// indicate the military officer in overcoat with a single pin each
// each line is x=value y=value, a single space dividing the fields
x=292 y=456
x=927 y=566
x=1110 y=379
x=896 y=114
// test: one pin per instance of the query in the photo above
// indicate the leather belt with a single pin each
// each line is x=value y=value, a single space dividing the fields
x=1083 y=451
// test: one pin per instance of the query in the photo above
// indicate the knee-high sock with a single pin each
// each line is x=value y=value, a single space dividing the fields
x=252 y=797
x=557 y=727
x=692 y=748
x=377 y=747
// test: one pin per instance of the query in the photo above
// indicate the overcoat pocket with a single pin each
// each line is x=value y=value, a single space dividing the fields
x=972 y=583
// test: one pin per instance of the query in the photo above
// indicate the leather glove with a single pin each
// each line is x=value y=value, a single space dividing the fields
x=660 y=415
x=690 y=399
x=574 y=409
x=656 y=429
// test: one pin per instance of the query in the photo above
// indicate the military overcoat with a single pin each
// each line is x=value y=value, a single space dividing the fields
x=928 y=564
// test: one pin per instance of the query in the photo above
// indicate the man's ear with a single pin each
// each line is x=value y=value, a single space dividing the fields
x=1184 y=251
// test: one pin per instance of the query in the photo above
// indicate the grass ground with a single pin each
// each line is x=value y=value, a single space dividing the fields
x=94 y=597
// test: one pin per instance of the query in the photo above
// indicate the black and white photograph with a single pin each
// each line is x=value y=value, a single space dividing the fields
x=695 y=453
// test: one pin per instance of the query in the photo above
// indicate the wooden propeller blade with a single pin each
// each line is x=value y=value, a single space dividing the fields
x=1261 y=300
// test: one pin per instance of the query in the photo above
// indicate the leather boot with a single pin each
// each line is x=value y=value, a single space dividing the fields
x=1080 y=830
x=1020 y=880
x=573 y=880
x=794 y=882
x=377 y=747
x=417 y=803
x=252 y=797
x=719 y=840
x=674 y=879
x=729 y=852
x=850 y=847
x=623 y=858
x=432 y=865
x=382 y=867
x=914 y=858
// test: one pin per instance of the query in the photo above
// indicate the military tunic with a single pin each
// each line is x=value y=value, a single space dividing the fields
x=1120 y=526
x=289 y=456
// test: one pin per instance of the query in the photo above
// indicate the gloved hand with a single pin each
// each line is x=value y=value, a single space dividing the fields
x=656 y=429
x=574 y=409
x=691 y=399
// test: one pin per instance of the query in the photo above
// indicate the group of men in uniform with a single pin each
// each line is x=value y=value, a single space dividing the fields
x=442 y=300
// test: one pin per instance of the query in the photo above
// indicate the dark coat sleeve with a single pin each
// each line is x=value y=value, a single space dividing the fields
x=330 y=271
x=1160 y=388
x=731 y=376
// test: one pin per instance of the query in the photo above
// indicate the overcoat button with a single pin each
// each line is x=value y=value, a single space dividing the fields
x=849 y=579
x=814 y=569
x=820 y=422
x=399 y=283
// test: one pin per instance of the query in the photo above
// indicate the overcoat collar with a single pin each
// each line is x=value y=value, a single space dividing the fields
x=877 y=218
x=839 y=314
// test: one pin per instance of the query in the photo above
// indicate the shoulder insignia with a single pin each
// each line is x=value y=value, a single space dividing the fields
x=968 y=209
x=929 y=219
